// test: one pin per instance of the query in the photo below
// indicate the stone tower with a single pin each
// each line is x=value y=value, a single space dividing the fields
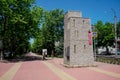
x=78 y=49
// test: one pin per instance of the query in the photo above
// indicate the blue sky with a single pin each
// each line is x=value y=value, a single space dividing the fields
x=93 y=9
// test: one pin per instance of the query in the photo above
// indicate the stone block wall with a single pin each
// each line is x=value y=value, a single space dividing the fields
x=77 y=50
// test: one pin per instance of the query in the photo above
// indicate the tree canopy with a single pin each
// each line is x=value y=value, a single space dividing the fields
x=19 y=21
x=105 y=34
x=50 y=32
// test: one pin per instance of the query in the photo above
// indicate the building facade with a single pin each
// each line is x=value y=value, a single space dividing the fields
x=78 y=49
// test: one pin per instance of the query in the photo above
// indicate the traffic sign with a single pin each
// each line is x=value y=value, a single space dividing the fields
x=94 y=34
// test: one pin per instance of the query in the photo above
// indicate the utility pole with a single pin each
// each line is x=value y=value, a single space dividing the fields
x=94 y=48
x=115 y=33
x=94 y=37
x=115 y=29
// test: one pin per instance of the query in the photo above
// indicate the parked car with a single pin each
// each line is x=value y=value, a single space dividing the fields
x=118 y=52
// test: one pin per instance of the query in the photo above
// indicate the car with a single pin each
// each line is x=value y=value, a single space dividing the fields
x=118 y=52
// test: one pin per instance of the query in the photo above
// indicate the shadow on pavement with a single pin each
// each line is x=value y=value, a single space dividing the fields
x=27 y=57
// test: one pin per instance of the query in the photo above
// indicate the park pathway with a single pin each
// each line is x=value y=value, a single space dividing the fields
x=52 y=69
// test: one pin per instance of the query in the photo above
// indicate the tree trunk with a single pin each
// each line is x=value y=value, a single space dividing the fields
x=107 y=51
x=52 y=53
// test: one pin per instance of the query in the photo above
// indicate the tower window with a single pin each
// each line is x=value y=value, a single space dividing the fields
x=76 y=33
x=74 y=22
x=74 y=48
x=83 y=21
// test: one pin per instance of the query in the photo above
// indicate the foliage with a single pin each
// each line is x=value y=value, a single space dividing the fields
x=105 y=34
x=50 y=31
x=19 y=22
x=59 y=49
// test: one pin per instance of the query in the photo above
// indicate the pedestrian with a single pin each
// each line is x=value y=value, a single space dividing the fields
x=44 y=53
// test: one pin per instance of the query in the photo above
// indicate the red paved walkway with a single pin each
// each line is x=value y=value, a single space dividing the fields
x=87 y=74
x=37 y=70
x=34 y=70
x=4 y=67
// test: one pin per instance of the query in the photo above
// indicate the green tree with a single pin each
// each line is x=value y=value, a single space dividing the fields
x=54 y=24
x=19 y=22
x=50 y=31
x=105 y=34
x=38 y=43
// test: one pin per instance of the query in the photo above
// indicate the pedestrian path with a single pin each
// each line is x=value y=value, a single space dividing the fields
x=116 y=75
x=4 y=67
x=53 y=70
x=35 y=70
x=11 y=72
x=91 y=73
x=59 y=72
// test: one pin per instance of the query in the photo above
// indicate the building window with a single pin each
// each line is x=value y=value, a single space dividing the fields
x=83 y=21
x=65 y=52
x=84 y=46
x=76 y=33
x=73 y=22
x=74 y=48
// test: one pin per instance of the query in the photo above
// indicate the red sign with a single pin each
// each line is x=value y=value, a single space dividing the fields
x=89 y=38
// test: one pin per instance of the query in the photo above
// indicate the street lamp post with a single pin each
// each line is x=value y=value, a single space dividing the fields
x=94 y=37
x=115 y=29
x=115 y=34
x=94 y=49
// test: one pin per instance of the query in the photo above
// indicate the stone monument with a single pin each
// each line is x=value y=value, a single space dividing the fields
x=78 y=49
